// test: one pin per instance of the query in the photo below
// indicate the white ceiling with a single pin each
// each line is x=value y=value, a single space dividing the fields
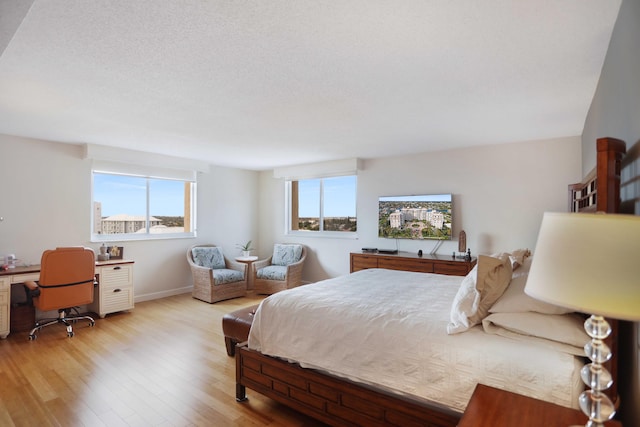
x=260 y=84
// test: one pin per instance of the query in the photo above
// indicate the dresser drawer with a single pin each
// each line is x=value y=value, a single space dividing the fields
x=451 y=268
x=406 y=264
x=362 y=262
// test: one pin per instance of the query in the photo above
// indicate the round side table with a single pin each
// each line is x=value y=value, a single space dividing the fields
x=248 y=260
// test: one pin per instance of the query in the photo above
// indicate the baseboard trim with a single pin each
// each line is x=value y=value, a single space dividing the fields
x=163 y=294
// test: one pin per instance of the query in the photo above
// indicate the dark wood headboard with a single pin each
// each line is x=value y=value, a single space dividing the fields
x=600 y=192
x=600 y=189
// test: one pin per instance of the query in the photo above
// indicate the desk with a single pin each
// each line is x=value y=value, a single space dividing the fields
x=248 y=260
x=114 y=292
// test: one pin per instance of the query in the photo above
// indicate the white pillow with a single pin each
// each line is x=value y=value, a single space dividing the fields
x=478 y=291
x=514 y=300
x=465 y=303
x=563 y=332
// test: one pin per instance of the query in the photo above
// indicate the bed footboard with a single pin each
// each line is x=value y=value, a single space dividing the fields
x=332 y=400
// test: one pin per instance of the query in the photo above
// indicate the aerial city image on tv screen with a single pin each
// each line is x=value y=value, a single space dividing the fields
x=415 y=217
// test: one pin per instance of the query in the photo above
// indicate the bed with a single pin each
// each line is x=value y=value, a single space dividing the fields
x=344 y=382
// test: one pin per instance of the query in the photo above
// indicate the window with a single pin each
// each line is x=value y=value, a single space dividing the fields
x=325 y=205
x=130 y=207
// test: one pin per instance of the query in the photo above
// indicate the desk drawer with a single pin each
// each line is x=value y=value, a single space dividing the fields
x=4 y=313
x=116 y=276
x=117 y=299
x=19 y=278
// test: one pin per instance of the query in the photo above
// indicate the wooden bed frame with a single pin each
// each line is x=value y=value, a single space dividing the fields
x=600 y=192
x=341 y=402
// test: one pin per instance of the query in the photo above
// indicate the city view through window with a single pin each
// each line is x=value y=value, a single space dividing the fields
x=125 y=204
x=330 y=202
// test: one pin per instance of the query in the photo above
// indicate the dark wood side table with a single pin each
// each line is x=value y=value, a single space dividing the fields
x=491 y=407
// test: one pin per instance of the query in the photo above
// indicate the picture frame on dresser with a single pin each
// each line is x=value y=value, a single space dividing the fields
x=115 y=252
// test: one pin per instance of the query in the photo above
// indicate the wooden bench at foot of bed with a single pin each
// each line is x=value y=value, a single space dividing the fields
x=329 y=399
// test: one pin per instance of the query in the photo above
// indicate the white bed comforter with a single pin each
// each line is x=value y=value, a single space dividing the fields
x=388 y=329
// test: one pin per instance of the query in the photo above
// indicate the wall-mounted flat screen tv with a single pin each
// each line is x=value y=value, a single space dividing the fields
x=427 y=216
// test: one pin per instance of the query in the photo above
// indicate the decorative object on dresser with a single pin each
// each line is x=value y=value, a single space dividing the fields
x=589 y=263
x=115 y=252
x=425 y=263
x=104 y=253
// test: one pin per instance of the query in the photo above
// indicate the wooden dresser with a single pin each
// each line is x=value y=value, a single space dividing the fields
x=409 y=261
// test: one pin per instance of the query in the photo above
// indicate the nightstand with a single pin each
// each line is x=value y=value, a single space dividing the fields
x=491 y=407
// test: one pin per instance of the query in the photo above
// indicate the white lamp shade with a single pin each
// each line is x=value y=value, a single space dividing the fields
x=589 y=263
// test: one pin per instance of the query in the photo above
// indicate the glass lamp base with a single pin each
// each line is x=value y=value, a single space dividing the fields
x=595 y=404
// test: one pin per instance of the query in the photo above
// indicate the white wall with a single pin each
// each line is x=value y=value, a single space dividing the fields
x=615 y=109
x=500 y=193
x=46 y=202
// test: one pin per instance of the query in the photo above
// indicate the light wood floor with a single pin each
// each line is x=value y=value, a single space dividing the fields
x=162 y=364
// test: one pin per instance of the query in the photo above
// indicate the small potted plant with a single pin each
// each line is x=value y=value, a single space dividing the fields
x=246 y=249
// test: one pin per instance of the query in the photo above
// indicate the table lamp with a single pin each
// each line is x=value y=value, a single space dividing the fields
x=590 y=263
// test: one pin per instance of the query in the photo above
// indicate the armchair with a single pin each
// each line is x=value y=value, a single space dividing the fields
x=67 y=280
x=282 y=270
x=215 y=277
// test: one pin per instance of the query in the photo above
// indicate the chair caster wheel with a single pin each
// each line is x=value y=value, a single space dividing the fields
x=70 y=334
x=32 y=337
x=92 y=324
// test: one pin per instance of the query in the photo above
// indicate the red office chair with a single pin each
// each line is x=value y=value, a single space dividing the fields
x=67 y=279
